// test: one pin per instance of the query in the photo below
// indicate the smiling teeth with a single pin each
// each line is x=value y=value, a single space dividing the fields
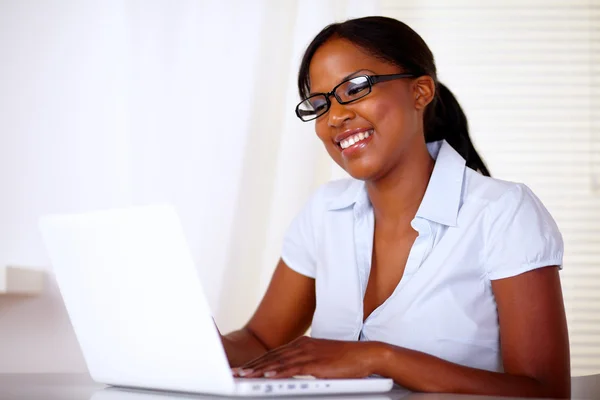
x=344 y=144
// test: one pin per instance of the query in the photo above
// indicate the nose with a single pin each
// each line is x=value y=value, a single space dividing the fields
x=338 y=114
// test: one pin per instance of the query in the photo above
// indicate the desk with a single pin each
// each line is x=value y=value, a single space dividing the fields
x=81 y=387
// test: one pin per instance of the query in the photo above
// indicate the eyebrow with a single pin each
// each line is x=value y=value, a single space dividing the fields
x=347 y=77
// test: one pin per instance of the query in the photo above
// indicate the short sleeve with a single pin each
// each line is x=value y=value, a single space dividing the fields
x=299 y=243
x=521 y=235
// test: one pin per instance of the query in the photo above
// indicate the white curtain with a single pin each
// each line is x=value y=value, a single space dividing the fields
x=117 y=103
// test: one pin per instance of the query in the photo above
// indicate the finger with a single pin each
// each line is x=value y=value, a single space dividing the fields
x=279 y=365
x=298 y=344
x=316 y=368
x=276 y=356
x=276 y=363
x=302 y=367
x=270 y=357
x=258 y=370
x=237 y=372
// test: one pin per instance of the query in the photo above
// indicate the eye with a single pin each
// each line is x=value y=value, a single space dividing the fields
x=318 y=104
x=356 y=86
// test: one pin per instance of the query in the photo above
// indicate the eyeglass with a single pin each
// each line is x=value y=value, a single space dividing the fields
x=346 y=92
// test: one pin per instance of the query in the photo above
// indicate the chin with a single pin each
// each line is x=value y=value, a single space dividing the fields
x=361 y=171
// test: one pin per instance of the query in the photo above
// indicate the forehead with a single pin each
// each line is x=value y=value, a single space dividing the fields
x=337 y=58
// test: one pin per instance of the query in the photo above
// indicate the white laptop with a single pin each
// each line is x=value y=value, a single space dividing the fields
x=113 y=393
x=138 y=309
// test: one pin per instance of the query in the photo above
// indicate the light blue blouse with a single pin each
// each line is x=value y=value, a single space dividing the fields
x=471 y=230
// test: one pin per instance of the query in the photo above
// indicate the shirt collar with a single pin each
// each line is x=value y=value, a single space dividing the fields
x=443 y=195
x=355 y=193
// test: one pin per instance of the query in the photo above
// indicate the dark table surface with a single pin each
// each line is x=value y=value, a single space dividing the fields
x=81 y=387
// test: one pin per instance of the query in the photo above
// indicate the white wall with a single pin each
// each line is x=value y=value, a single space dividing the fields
x=113 y=103
x=56 y=155
x=87 y=125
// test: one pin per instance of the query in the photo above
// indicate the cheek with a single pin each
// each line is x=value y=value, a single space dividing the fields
x=325 y=134
x=388 y=115
x=323 y=131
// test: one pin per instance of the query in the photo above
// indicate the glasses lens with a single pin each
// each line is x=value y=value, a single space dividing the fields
x=353 y=89
x=312 y=107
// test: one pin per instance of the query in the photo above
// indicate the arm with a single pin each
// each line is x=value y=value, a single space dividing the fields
x=284 y=314
x=533 y=333
x=535 y=347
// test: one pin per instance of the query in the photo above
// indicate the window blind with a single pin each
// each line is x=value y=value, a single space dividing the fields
x=527 y=73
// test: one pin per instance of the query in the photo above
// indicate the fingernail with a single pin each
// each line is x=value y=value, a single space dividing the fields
x=235 y=371
x=270 y=374
x=244 y=372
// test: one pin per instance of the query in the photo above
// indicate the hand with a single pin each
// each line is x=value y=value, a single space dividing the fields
x=317 y=357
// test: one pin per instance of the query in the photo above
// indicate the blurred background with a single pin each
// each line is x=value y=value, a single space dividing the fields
x=117 y=103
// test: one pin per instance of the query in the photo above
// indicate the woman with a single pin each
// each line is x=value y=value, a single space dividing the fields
x=420 y=268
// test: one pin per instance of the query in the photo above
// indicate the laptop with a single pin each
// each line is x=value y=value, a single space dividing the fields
x=136 y=303
x=113 y=393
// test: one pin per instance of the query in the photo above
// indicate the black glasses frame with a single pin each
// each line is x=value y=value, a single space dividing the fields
x=371 y=79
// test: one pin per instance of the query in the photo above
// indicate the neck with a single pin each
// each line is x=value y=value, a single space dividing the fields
x=397 y=195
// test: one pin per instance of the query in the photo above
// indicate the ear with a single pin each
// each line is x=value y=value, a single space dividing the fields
x=424 y=91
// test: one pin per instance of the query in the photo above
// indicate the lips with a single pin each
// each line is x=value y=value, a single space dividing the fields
x=354 y=139
x=353 y=134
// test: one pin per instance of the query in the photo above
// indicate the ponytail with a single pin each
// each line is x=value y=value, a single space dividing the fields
x=445 y=120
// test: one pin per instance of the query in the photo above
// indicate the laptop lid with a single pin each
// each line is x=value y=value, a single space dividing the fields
x=135 y=300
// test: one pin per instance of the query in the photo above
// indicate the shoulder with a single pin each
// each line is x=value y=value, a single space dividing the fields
x=332 y=195
x=335 y=194
x=496 y=195
x=518 y=232
x=333 y=189
x=489 y=191
x=507 y=209
x=303 y=235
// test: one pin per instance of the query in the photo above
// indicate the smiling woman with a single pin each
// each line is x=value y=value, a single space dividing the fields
x=420 y=267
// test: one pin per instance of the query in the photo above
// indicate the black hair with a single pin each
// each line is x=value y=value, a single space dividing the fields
x=395 y=42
